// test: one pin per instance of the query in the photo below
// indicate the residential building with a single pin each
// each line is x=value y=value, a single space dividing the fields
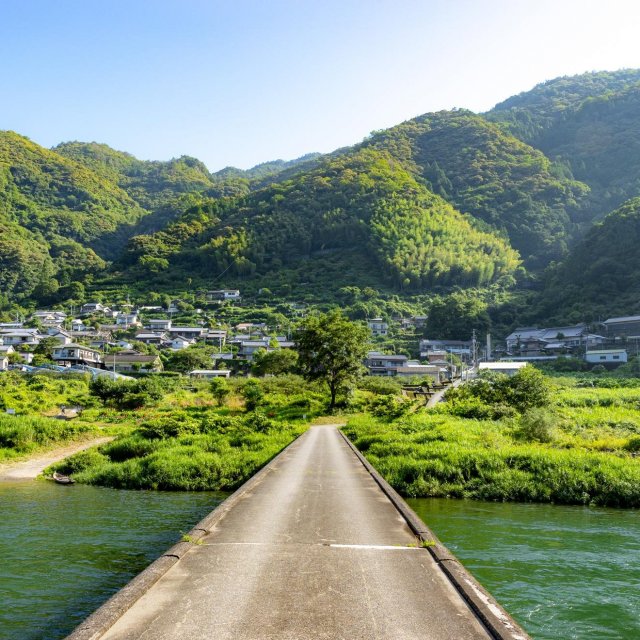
x=128 y=361
x=223 y=294
x=20 y=337
x=158 y=324
x=606 y=356
x=148 y=337
x=624 y=326
x=4 y=361
x=508 y=368
x=92 y=307
x=70 y=354
x=378 y=327
x=209 y=373
x=382 y=364
x=461 y=348
x=531 y=341
x=190 y=333
x=127 y=320
x=178 y=343
x=413 y=368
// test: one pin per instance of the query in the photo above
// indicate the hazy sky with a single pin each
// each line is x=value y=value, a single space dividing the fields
x=238 y=82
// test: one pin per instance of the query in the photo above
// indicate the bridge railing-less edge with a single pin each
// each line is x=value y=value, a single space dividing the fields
x=499 y=623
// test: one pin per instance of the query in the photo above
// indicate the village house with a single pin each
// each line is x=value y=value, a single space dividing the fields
x=215 y=336
x=209 y=373
x=413 y=368
x=223 y=294
x=20 y=337
x=178 y=343
x=90 y=308
x=128 y=361
x=78 y=325
x=4 y=361
x=460 y=348
x=607 y=356
x=378 y=327
x=382 y=364
x=531 y=341
x=77 y=354
x=124 y=320
x=148 y=337
x=158 y=324
x=190 y=333
x=508 y=368
x=624 y=326
x=63 y=337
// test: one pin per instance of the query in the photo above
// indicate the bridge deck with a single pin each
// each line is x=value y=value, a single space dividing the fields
x=313 y=550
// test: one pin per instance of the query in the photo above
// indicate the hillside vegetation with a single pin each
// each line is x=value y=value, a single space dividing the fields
x=364 y=200
x=494 y=177
x=445 y=201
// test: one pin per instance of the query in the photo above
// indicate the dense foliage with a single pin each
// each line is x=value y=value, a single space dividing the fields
x=578 y=449
x=601 y=277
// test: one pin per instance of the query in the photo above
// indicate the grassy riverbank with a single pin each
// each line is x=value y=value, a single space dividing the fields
x=578 y=449
x=189 y=441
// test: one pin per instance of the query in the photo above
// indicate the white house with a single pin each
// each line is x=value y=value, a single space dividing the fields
x=378 y=327
x=209 y=373
x=21 y=337
x=223 y=294
x=92 y=307
x=606 y=356
x=158 y=324
x=508 y=368
x=77 y=354
x=178 y=343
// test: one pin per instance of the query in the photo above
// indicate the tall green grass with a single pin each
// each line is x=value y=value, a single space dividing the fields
x=20 y=435
x=213 y=452
x=439 y=455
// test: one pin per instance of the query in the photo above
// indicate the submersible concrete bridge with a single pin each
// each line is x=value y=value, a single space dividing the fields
x=314 y=546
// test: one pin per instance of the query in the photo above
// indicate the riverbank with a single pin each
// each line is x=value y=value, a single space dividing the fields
x=33 y=466
x=579 y=448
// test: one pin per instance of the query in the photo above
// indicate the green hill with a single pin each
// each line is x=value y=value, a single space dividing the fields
x=362 y=204
x=491 y=175
x=589 y=124
x=601 y=276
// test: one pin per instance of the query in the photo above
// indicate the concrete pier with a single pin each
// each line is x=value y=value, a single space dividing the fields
x=315 y=546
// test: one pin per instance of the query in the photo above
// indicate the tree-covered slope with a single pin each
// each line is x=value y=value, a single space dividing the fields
x=601 y=276
x=364 y=200
x=588 y=123
x=491 y=175
x=43 y=191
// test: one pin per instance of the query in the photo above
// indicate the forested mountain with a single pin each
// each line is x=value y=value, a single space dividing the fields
x=493 y=176
x=601 y=276
x=589 y=124
x=363 y=200
x=447 y=200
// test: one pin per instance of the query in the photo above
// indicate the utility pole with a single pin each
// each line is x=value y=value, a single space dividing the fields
x=473 y=348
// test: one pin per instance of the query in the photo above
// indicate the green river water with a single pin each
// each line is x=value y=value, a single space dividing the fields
x=562 y=572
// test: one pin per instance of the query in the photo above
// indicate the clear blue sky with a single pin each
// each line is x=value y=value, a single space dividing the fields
x=238 y=82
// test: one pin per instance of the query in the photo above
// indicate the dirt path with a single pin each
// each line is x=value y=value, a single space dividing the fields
x=33 y=467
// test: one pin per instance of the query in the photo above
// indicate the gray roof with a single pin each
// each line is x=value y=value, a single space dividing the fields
x=622 y=319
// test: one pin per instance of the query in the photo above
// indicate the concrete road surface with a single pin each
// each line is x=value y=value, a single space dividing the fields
x=315 y=550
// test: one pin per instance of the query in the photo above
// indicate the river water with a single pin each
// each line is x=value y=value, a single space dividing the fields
x=561 y=572
x=65 y=550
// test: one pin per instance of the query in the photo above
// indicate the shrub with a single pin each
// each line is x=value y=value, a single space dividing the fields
x=253 y=394
x=536 y=425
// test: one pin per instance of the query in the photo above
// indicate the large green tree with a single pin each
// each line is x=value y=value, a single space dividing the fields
x=331 y=348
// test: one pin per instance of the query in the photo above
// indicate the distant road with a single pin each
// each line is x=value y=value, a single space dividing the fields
x=312 y=550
